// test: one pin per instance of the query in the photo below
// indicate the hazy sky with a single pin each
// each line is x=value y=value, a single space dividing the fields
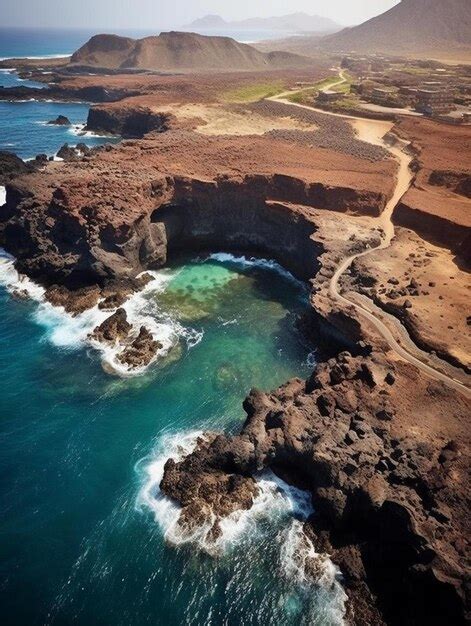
x=115 y=14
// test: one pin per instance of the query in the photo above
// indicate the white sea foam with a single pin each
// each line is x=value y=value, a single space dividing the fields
x=3 y=195
x=72 y=331
x=275 y=499
x=245 y=261
x=44 y=56
x=15 y=282
x=277 y=503
x=304 y=566
x=79 y=130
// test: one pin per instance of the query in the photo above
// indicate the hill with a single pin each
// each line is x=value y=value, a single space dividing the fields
x=295 y=22
x=411 y=27
x=177 y=51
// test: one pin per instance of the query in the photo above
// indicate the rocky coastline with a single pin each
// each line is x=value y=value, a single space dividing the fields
x=365 y=435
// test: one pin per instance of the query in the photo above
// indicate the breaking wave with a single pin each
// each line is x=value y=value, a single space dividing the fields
x=72 y=331
x=251 y=261
x=277 y=504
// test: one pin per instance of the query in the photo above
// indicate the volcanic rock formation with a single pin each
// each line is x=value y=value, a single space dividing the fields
x=178 y=51
x=381 y=495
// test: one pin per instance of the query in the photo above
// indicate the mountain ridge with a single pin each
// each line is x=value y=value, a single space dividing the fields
x=411 y=26
x=179 y=51
x=293 y=22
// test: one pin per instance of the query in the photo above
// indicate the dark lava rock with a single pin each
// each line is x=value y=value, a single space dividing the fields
x=12 y=166
x=61 y=120
x=66 y=152
x=141 y=351
x=113 y=301
x=75 y=301
x=113 y=329
x=382 y=502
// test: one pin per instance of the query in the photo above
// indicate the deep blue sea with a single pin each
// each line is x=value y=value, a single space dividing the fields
x=86 y=537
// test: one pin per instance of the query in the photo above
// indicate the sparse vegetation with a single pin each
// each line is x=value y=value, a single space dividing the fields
x=307 y=94
x=253 y=93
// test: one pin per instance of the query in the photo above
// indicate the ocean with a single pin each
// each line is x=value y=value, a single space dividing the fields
x=23 y=125
x=87 y=537
x=41 y=42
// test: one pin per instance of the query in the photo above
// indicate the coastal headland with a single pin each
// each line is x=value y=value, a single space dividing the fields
x=373 y=215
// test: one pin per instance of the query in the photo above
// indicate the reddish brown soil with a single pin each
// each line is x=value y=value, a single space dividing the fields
x=443 y=149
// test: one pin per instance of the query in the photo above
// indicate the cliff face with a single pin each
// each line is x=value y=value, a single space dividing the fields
x=126 y=122
x=54 y=243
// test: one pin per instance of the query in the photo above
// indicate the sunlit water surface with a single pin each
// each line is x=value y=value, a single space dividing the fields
x=86 y=536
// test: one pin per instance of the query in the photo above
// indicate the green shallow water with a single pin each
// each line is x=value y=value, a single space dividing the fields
x=78 y=449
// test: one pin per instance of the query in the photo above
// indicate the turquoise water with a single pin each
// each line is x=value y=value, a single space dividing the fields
x=82 y=522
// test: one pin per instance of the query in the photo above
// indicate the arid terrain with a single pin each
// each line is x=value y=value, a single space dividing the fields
x=374 y=215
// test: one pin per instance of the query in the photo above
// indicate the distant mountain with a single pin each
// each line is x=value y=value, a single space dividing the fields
x=182 y=52
x=295 y=22
x=209 y=22
x=410 y=27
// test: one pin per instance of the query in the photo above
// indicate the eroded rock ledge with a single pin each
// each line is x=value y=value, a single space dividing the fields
x=365 y=437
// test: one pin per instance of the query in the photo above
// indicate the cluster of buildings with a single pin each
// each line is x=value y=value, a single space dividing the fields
x=441 y=93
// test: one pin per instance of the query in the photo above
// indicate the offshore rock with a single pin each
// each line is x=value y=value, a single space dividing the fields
x=141 y=351
x=61 y=120
x=114 y=329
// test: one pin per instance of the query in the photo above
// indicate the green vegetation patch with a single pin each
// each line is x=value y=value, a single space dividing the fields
x=253 y=92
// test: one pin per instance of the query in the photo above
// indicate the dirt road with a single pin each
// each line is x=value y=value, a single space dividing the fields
x=374 y=131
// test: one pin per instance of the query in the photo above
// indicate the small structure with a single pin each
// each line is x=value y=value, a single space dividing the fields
x=434 y=101
x=408 y=95
x=328 y=95
x=384 y=96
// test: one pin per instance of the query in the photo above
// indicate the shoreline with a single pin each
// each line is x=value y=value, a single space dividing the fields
x=356 y=430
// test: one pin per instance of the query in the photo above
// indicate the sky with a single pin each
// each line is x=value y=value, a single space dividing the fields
x=145 y=14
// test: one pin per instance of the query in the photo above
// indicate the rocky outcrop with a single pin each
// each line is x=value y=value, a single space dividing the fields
x=75 y=301
x=12 y=166
x=71 y=153
x=67 y=93
x=141 y=351
x=61 y=120
x=126 y=122
x=459 y=182
x=114 y=329
x=381 y=496
x=437 y=228
x=137 y=351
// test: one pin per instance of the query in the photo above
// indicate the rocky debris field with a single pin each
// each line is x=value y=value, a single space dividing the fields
x=333 y=133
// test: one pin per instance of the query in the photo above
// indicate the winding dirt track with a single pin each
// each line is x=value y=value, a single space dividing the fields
x=374 y=131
